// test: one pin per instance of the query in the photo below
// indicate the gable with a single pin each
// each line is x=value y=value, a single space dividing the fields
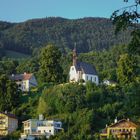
x=124 y=124
x=73 y=69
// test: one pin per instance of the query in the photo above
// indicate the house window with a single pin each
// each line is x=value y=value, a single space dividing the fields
x=72 y=68
x=49 y=130
x=87 y=77
x=91 y=78
x=95 y=79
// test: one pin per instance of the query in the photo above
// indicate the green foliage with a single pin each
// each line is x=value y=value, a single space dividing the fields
x=138 y=133
x=29 y=65
x=90 y=34
x=84 y=110
x=105 y=61
x=2 y=51
x=50 y=68
x=9 y=94
x=14 y=135
x=126 y=71
x=15 y=55
x=133 y=47
x=8 y=67
x=129 y=17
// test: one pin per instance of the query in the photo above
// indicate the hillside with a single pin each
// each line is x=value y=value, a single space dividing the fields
x=88 y=33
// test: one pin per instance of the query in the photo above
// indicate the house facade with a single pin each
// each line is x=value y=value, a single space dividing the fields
x=82 y=71
x=24 y=81
x=124 y=129
x=36 y=128
x=8 y=123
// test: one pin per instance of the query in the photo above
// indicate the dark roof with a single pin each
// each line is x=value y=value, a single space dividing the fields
x=85 y=68
x=18 y=77
x=9 y=115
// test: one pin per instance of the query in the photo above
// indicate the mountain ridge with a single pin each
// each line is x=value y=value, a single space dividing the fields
x=88 y=33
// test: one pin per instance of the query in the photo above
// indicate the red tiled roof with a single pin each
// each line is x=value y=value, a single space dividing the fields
x=27 y=76
x=17 y=77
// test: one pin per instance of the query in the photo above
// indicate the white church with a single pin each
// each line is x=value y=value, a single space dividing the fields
x=82 y=71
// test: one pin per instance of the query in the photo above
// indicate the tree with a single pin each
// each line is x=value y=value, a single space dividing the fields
x=126 y=71
x=9 y=94
x=129 y=17
x=50 y=68
x=8 y=67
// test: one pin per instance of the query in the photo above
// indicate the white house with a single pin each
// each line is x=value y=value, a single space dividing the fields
x=82 y=71
x=24 y=81
x=36 y=128
x=109 y=83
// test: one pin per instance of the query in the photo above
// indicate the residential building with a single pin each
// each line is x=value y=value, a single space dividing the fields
x=24 y=81
x=8 y=123
x=82 y=71
x=36 y=128
x=124 y=129
x=109 y=83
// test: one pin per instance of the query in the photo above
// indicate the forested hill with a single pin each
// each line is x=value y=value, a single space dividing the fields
x=89 y=34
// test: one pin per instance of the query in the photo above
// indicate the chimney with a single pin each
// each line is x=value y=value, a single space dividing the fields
x=115 y=121
x=41 y=117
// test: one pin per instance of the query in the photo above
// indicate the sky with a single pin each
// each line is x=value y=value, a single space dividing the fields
x=22 y=10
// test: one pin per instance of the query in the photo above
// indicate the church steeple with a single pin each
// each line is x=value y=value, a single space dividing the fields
x=74 y=56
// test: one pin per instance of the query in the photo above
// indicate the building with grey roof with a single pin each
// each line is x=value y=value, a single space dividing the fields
x=82 y=71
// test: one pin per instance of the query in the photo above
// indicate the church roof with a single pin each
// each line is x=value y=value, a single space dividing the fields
x=85 y=68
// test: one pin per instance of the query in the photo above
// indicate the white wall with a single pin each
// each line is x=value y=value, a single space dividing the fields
x=73 y=74
x=46 y=129
x=25 y=85
x=92 y=78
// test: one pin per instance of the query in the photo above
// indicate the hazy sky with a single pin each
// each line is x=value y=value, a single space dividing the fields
x=21 y=10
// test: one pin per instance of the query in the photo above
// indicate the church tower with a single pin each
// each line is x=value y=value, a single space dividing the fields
x=74 y=57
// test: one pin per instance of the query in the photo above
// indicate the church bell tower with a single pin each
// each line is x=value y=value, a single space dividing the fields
x=74 y=57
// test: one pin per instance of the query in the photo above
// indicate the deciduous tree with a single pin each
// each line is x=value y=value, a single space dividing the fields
x=50 y=68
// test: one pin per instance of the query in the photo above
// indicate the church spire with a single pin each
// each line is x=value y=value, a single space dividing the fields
x=74 y=56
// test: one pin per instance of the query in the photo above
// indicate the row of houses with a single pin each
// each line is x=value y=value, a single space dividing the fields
x=32 y=128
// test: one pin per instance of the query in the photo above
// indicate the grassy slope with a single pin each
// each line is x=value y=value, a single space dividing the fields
x=16 y=55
